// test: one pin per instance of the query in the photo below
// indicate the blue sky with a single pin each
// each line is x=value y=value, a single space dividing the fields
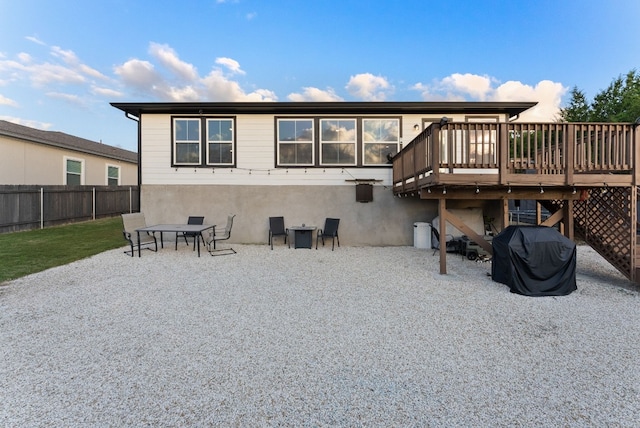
x=63 y=62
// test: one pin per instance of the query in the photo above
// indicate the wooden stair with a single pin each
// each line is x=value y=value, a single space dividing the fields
x=604 y=220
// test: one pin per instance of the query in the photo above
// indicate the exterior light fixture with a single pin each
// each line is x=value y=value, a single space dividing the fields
x=444 y=190
x=477 y=189
x=541 y=189
x=416 y=127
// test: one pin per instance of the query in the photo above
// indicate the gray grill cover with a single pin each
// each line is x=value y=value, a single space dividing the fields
x=534 y=261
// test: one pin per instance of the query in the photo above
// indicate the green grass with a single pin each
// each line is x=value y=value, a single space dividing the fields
x=24 y=253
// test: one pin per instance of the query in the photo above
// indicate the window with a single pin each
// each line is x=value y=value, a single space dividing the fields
x=187 y=144
x=482 y=140
x=220 y=142
x=381 y=137
x=113 y=175
x=338 y=141
x=73 y=171
x=295 y=142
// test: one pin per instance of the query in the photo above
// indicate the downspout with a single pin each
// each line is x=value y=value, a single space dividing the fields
x=137 y=119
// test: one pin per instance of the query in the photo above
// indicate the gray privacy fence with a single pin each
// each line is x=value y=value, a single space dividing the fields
x=25 y=207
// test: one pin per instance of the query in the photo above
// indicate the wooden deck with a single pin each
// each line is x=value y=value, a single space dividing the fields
x=585 y=174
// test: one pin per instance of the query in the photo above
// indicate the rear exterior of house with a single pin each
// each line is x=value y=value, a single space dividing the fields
x=36 y=157
x=302 y=161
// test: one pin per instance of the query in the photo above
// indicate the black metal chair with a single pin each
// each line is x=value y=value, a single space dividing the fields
x=224 y=235
x=452 y=244
x=194 y=235
x=330 y=230
x=276 y=228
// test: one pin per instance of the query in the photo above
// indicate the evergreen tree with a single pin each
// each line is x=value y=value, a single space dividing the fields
x=578 y=109
x=620 y=102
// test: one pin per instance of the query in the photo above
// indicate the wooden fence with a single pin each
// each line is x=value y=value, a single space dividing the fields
x=25 y=207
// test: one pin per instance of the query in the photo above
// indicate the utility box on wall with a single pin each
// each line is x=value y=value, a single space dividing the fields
x=364 y=192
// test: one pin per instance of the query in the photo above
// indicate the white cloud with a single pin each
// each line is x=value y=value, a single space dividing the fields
x=548 y=94
x=35 y=40
x=314 y=94
x=250 y=16
x=26 y=122
x=470 y=87
x=220 y=88
x=106 y=92
x=140 y=75
x=144 y=78
x=478 y=87
x=24 y=58
x=71 y=59
x=68 y=98
x=4 y=101
x=368 y=87
x=170 y=60
x=231 y=64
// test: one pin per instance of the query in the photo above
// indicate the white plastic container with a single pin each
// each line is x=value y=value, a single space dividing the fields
x=421 y=235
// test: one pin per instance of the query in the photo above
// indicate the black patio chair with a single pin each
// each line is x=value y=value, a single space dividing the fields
x=330 y=230
x=452 y=244
x=194 y=235
x=276 y=228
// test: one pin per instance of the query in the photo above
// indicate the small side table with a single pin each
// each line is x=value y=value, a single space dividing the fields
x=303 y=236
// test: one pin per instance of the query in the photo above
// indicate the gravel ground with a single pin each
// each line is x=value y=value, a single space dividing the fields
x=356 y=337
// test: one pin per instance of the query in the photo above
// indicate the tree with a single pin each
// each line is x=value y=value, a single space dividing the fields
x=620 y=102
x=578 y=109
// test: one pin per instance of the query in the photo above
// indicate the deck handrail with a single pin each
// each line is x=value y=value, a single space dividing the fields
x=562 y=150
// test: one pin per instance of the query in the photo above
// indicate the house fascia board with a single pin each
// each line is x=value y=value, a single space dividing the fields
x=334 y=108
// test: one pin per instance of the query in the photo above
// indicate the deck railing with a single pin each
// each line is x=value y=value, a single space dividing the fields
x=514 y=153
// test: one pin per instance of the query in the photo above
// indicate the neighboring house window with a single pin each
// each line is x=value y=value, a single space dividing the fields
x=113 y=175
x=338 y=141
x=381 y=137
x=187 y=142
x=73 y=171
x=295 y=142
x=220 y=142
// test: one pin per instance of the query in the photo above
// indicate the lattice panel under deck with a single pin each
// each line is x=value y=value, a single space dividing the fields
x=604 y=222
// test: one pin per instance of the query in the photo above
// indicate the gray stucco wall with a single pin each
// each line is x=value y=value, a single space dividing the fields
x=385 y=221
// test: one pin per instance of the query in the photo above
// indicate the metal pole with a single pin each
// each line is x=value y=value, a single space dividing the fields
x=94 y=202
x=42 y=208
x=130 y=200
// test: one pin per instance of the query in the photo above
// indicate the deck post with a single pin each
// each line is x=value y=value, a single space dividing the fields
x=505 y=214
x=503 y=153
x=435 y=151
x=570 y=150
x=442 y=215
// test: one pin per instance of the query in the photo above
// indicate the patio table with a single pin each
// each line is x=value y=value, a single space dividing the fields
x=175 y=228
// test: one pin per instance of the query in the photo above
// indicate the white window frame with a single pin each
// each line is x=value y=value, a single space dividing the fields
x=175 y=142
x=65 y=172
x=396 y=143
x=230 y=142
x=353 y=142
x=117 y=167
x=310 y=142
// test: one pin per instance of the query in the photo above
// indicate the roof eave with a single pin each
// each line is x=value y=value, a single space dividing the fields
x=378 y=107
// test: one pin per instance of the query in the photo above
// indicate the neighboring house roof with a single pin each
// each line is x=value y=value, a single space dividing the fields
x=66 y=141
x=378 y=107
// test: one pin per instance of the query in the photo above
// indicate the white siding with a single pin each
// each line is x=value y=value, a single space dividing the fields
x=255 y=159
